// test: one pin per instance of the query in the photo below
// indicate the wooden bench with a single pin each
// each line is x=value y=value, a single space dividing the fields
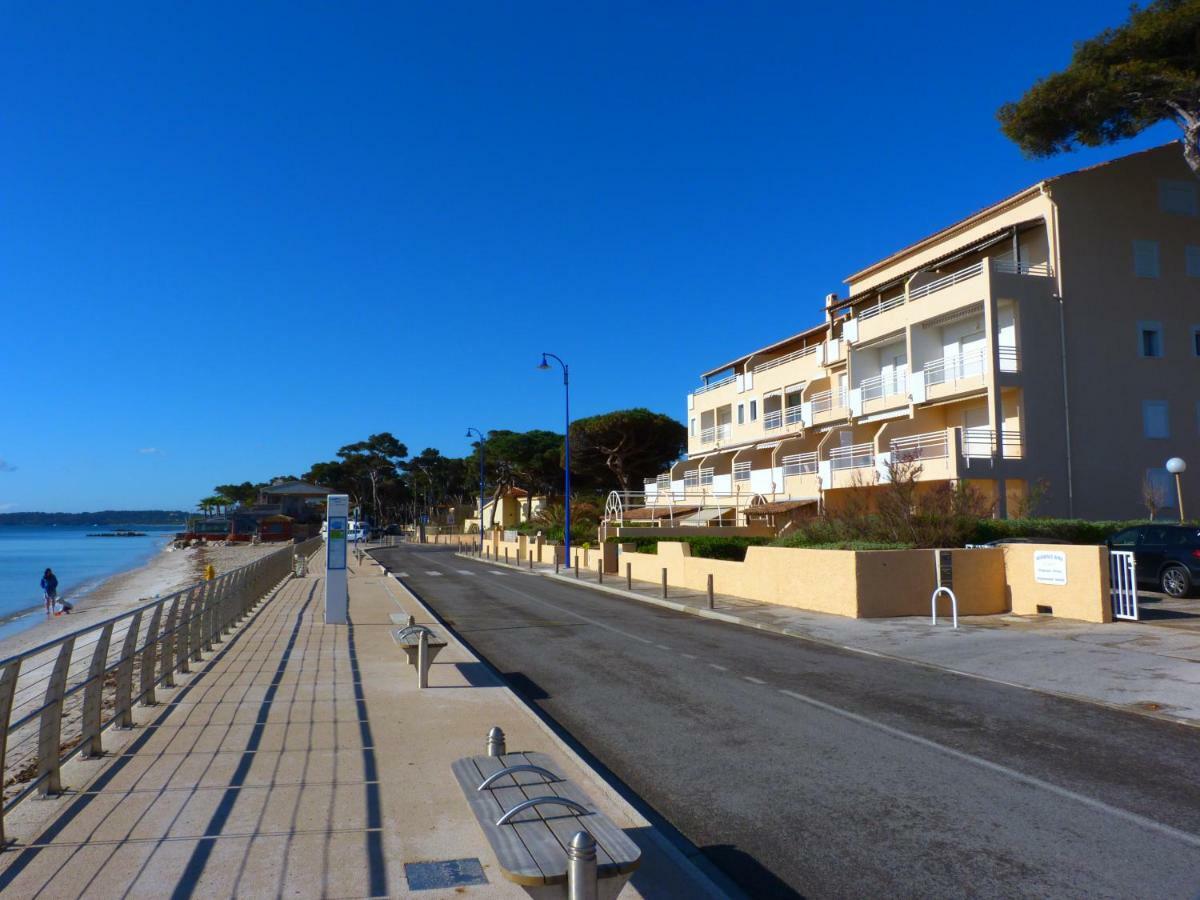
x=409 y=639
x=531 y=845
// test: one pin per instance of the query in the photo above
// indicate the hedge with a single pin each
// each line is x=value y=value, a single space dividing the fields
x=731 y=548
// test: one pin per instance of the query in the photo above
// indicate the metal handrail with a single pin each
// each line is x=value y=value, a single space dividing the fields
x=795 y=354
x=543 y=801
x=178 y=628
x=511 y=770
x=714 y=385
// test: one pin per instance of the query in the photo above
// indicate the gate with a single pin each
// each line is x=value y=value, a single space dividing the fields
x=1122 y=584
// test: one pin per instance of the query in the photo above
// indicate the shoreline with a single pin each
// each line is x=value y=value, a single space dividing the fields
x=166 y=571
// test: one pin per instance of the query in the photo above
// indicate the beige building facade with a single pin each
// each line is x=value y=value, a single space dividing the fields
x=1048 y=345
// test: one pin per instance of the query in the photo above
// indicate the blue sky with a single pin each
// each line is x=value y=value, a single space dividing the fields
x=234 y=237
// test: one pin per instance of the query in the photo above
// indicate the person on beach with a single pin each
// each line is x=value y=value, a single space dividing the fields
x=49 y=590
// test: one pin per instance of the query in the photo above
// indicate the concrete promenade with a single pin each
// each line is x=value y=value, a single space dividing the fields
x=1150 y=667
x=301 y=760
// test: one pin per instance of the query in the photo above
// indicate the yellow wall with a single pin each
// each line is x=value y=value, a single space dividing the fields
x=1084 y=596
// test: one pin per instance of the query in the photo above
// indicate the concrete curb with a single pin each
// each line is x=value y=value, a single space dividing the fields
x=733 y=619
x=704 y=871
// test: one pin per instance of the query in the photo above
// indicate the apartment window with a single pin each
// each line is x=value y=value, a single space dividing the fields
x=741 y=471
x=741 y=414
x=1177 y=197
x=1159 y=484
x=706 y=477
x=1155 y=423
x=691 y=479
x=1145 y=259
x=753 y=410
x=1193 y=260
x=693 y=427
x=1150 y=339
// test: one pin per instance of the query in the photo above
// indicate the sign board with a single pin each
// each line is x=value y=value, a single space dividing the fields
x=337 y=510
x=943 y=561
x=1050 y=567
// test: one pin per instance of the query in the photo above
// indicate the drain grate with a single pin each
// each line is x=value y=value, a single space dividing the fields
x=446 y=873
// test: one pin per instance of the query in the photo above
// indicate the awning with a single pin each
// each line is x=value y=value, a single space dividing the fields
x=778 y=506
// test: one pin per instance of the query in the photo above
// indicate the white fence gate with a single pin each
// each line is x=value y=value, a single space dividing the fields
x=1122 y=581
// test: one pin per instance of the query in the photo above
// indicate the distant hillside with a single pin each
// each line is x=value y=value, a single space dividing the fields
x=103 y=517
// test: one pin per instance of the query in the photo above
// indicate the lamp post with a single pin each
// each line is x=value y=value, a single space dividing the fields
x=566 y=455
x=1177 y=467
x=481 y=440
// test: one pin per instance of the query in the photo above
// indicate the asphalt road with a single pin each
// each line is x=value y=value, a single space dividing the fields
x=804 y=770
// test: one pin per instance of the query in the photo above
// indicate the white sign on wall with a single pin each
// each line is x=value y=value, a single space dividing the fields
x=1049 y=567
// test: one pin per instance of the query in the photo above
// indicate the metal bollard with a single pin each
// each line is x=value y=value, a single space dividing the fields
x=710 y=591
x=506 y=556
x=495 y=742
x=411 y=621
x=629 y=576
x=576 y=565
x=556 y=562
x=530 y=562
x=582 y=881
x=664 y=584
x=423 y=660
x=600 y=569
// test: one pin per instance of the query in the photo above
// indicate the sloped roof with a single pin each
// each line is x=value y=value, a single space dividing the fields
x=298 y=488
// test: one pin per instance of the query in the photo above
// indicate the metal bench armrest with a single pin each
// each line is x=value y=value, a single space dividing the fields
x=496 y=776
x=542 y=801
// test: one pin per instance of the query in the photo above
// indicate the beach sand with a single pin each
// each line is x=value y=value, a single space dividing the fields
x=167 y=571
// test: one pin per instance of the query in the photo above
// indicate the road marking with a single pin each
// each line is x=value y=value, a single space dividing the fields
x=753 y=680
x=401 y=575
x=662 y=646
x=433 y=573
x=464 y=572
x=1090 y=802
x=494 y=572
x=688 y=656
x=719 y=668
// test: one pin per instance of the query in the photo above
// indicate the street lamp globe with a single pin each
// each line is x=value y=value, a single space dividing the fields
x=543 y=365
x=1176 y=466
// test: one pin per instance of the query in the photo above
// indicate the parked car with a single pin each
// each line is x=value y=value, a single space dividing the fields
x=1000 y=542
x=1167 y=556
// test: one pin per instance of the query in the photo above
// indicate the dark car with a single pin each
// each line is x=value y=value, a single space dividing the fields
x=1167 y=556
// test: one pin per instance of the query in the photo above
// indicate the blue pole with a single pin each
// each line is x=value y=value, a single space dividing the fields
x=566 y=456
x=481 y=490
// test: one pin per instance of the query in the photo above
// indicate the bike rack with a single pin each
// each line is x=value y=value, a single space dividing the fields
x=510 y=770
x=953 y=604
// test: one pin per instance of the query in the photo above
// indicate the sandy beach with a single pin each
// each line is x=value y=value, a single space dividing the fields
x=168 y=571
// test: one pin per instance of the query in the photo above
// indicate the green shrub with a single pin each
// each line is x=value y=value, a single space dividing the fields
x=1077 y=531
x=802 y=541
x=730 y=548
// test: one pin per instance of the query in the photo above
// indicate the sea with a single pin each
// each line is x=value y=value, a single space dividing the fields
x=80 y=562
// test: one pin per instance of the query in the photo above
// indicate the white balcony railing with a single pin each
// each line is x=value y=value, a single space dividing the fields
x=691 y=479
x=791 y=416
x=724 y=431
x=1009 y=267
x=879 y=386
x=706 y=477
x=708 y=435
x=773 y=420
x=980 y=443
x=783 y=360
x=950 y=369
x=1003 y=266
x=741 y=471
x=824 y=401
x=853 y=456
x=916 y=447
x=946 y=281
x=712 y=386
x=881 y=306
x=800 y=464
x=1010 y=359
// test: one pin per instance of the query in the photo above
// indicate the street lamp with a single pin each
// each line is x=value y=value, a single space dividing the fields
x=1177 y=467
x=481 y=440
x=566 y=456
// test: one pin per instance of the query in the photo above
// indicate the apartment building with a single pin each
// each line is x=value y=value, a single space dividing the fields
x=1052 y=338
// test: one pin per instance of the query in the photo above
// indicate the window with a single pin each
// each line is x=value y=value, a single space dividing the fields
x=1155 y=423
x=1159 y=488
x=693 y=427
x=1193 y=260
x=1196 y=341
x=1177 y=197
x=1145 y=259
x=691 y=479
x=741 y=471
x=753 y=410
x=1125 y=540
x=741 y=414
x=1150 y=339
x=706 y=476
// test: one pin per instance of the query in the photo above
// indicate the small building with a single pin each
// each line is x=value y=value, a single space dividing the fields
x=301 y=501
x=275 y=529
x=512 y=507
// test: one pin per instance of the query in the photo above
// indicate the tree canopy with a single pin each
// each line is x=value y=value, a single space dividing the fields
x=621 y=448
x=1118 y=84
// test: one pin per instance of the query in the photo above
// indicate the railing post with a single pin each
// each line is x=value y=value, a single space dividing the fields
x=92 y=696
x=167 y=645
x=664 y=583
x=149 y=657
x=710 y=590
x=183 y=639
x=50 y=731
x=123 y=702
x=8 y=688
x=199 y=633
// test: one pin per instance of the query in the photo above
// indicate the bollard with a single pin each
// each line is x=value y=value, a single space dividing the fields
x=629 y=576
x=423 y=659
x=556 y=563
x=710 y=591
x=600 y=569
x=576 y=565
x=506 y=556
x=582 y=881
x=411 y=621
x=530 y=562
x=664 y=584
x=495 y=742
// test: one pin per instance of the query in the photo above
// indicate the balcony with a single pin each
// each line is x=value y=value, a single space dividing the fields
x=951 y=375
x=800 y=464
x=712 y=386
x=800 y=365
x=852 y=456
x=828 y=406
x=717 y=433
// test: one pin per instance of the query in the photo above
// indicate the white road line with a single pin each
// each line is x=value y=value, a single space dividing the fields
x=1090 y=802
x=432 y=573
x=662 y=646
x=753 y=680
x=688 y=656
x=719 y=668
x=400 y=575
x=464 y=571
x=494 y=572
